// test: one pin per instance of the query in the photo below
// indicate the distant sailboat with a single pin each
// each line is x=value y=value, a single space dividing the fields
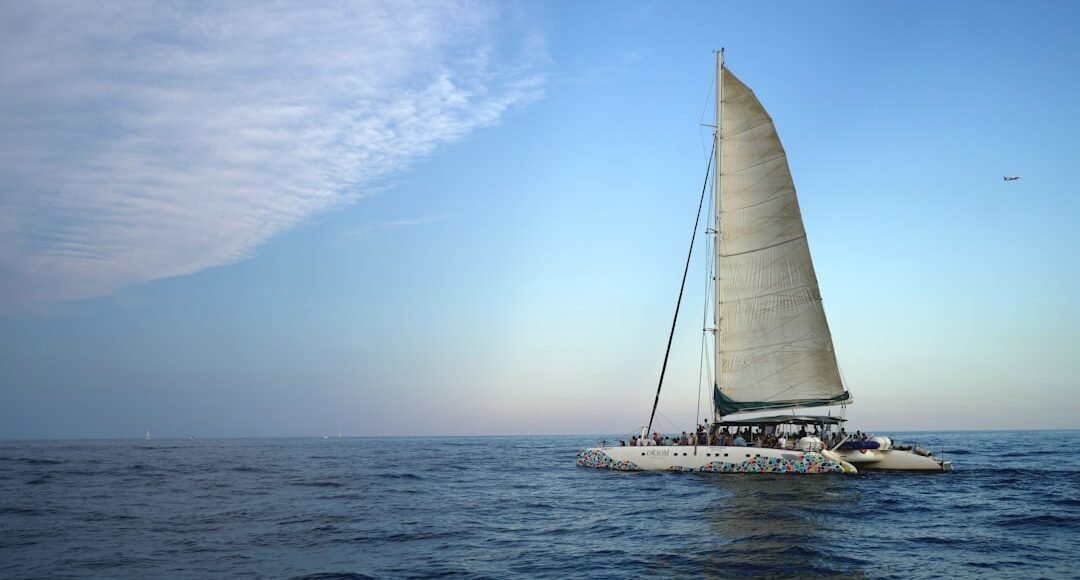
x=147 y=434
x=772 y=349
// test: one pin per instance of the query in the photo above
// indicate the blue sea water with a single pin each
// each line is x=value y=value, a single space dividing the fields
x=518 y=507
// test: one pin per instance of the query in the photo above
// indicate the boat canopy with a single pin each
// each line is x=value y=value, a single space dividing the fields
x=783 y=420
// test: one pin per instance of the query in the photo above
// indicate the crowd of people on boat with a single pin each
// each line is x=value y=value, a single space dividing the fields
x=775 y=436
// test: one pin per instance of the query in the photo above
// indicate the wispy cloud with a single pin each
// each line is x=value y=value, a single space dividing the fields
x=142 y=140
x=366 y=230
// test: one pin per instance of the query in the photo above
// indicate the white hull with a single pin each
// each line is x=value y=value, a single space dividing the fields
x=713 y=459
x=893 y=460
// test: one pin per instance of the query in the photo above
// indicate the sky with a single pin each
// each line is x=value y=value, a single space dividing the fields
x=470 y=218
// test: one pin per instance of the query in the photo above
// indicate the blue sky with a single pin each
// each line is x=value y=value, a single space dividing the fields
x=469 y=218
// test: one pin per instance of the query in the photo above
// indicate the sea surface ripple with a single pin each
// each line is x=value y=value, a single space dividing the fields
x=518 y=507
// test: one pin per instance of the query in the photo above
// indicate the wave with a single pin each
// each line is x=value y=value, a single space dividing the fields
x=319 y=484
x=399 y=476
x=99 y=517
x=1042 y=520
x=335 y=576
x=939 y=541
x=24 y=511
x=398 y=537
x=248 y=469
x=1024 y=473
x=31 y=460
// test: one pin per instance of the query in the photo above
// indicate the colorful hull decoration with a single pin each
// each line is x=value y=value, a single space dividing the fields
x=599 y=459
x=791 y=463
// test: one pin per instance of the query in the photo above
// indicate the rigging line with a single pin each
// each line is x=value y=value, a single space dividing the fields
x=669 y=422
x=701 y=363
x=682 y=287
x=702 y=379
x=703 y=376
x=704 y=108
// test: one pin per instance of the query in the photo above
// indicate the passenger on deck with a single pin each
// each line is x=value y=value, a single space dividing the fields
x=782 y=442
x=739 y=441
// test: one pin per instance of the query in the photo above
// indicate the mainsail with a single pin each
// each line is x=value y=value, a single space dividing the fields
x=774 y=342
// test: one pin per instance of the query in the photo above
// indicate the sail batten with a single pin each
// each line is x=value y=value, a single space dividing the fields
x=748 y=129
x=733 y=211
x=779 y=157
x=775 y=347
x=773 y=245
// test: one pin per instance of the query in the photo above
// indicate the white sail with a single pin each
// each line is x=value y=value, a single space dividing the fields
x=775 y=347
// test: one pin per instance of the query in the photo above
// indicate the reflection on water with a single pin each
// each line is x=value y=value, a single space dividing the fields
x=765 y=523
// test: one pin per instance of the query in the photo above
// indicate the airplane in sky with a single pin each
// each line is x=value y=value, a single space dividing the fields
x=1012 y=177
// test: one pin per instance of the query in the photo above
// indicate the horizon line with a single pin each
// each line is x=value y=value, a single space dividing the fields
x=331 y=437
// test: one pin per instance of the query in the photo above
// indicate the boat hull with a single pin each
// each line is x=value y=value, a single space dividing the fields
x=713 y=459
x=892 y=460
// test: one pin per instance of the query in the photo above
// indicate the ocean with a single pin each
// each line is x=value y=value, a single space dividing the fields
x=519 y=507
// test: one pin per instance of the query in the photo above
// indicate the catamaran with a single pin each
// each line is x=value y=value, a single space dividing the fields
x=771 y=345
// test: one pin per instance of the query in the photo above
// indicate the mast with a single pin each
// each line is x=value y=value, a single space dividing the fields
x=718 y=360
